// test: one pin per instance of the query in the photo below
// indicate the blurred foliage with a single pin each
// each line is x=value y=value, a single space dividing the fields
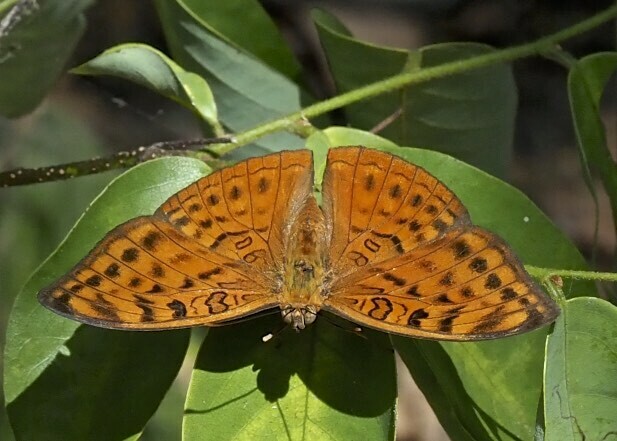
x=34 y=219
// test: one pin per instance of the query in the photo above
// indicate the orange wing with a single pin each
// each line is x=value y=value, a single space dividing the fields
x=406 y=259
x=211 y=253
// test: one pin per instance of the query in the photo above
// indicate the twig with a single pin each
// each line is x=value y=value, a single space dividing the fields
x=24 y=176
x=546 y=273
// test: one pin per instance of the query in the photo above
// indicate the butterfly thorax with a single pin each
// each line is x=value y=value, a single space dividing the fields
x=304 y=268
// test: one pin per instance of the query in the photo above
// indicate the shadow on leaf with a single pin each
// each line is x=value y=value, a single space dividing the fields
x=351 y=374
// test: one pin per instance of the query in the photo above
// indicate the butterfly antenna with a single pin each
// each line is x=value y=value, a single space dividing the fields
x=355 y=330
x=271 y=335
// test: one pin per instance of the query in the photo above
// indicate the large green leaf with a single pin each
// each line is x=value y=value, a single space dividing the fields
x=104 y=386
x=239 y=21
x=468 y=115
x=581 y=372
x=34 y=50
x=31 y=224
x=151 y=68
x=586 y=82
x=483 y=390
x=247 y=92
x=322 y=383
x=39 y=342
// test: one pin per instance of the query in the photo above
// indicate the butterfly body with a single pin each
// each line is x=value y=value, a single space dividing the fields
x=305 y=268
x=391 y=247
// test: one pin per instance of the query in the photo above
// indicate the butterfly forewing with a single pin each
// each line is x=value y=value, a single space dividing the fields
x=242 y=212
x=208 y=255
x=414 y=265
x=393 y=207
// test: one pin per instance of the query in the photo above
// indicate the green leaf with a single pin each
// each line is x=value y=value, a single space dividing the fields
x=322 y=383
x=45 y=353
x=343 y=53
x=35 y=49
x=469 y=115
x=32 y=224
x=148 y=67
x=586 y=83
x=122 y=376
x=581 y=368
x=238 y=22
x=247 y=92
x=483 y=390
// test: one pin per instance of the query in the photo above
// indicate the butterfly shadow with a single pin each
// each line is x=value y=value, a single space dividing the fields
x=349 y=373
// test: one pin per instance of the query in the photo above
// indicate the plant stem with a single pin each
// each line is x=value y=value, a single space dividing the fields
x=545 y=44
x=120 y=160
x=544 y=273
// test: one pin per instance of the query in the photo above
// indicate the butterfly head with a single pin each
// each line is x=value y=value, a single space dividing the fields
x=299 y=316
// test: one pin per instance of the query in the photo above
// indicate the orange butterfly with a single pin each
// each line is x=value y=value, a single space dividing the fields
x=391 y=248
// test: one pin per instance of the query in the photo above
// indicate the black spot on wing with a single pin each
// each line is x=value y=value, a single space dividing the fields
x=112 y=271
x=414 y=225
x=396 y=241
x=369 y=182
x=416 y=317
x=61 y=303
x=195 y=207
x=213 y=200
x=397 y=281
x=147 y=314
x=395 y=191
x=478 y=265
x=461 y=249
x=135 y=282
x=105 y=308
x=443 y=298
x=218 y=240
x=263 y=185
x=235 y=193
x=151 y=239
x=492 y=281
x=445 y=325
x=447 y=279
x=508 y=294
x=440 y=225
x=205 y=275
x=182 y=221
x=179 y=309
x=431 y=209
x=490 y=321
x=94 y=280
x=130 y=255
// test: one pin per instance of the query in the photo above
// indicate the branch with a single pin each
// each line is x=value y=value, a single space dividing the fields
x=24 y=176
x=547 y=273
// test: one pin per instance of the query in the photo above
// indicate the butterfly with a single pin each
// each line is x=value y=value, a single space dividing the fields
x=391 y=248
